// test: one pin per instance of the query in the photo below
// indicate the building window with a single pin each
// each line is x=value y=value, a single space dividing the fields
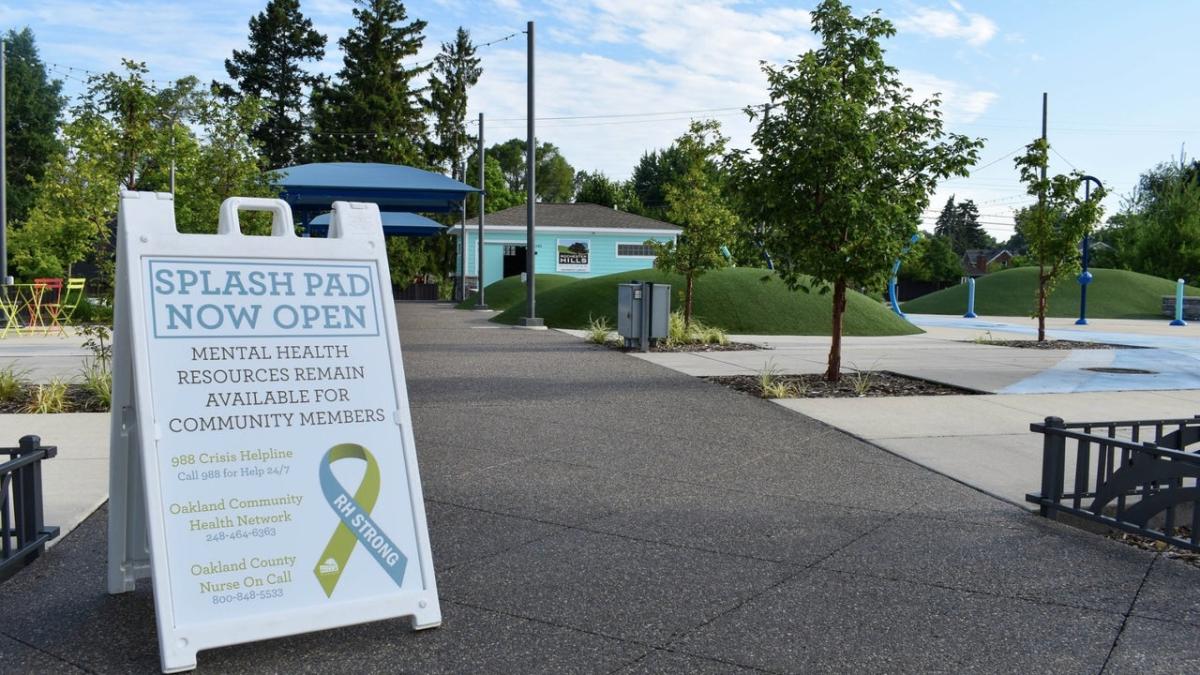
x=510 y=249
x=635 y=251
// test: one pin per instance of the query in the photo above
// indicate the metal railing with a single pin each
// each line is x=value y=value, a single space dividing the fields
x=1135 y=476
x=23 y=534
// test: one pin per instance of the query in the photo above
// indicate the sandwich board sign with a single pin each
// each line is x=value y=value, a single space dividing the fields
x=262 y=470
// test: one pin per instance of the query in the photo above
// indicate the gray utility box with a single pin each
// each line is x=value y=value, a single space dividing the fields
x=643 y=312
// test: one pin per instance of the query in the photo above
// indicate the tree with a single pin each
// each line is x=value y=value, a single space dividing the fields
x=373 y=112
x=931 y=259
x=1158 y=229
x=694 y=202
x=1054 y=226
x=455 y=70
x=498 y=194
x=847 y=162
x=272 y=69
x=959 y=225
x=34 y=104
x=596 y=188
x=555 y=176
x=127 y=134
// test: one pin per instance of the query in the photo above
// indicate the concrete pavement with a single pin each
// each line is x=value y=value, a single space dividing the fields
x=595 y=513
x=982 y=440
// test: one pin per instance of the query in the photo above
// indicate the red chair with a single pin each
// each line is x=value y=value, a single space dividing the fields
x=46 y=292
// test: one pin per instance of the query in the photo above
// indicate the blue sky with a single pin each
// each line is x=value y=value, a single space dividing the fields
x=1121 y=99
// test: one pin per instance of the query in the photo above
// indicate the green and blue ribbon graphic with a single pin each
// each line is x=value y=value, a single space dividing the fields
x=356 y=524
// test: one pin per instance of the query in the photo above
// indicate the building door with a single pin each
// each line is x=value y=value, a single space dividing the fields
x=514 y=260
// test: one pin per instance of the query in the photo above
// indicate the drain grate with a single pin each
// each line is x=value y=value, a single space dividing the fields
x=1122 y=371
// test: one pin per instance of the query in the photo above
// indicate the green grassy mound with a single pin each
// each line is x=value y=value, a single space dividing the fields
x=735 y=299
x=1113 y=294
x=508 y=292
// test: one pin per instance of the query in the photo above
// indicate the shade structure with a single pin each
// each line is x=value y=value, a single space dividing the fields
x=394 y=224
x=311 y=189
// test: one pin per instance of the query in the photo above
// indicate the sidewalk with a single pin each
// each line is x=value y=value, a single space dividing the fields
x=595 y=513
x=983 y=441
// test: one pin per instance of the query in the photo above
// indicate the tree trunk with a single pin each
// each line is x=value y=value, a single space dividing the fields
x=834 y=372
x=687 y=302
x=1041 y=308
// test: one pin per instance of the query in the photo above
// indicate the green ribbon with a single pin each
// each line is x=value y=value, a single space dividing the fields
x=356 y=524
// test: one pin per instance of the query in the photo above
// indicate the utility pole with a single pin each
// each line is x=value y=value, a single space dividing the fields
x=462 y=278
x=479 y=300
x=3 y=165
x=531 y=320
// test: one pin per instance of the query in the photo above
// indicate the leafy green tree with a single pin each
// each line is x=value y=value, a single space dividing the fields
x=931 y=259
x=374 y=111
x=1056 y=224
x=127 y=134
x=847 y=162
x=695 y=203
x=593 y=187
x=272 y=69
x=1157 y=230
x=555 y=176
x=455 y=70
x=498 y=194
x=34 y=104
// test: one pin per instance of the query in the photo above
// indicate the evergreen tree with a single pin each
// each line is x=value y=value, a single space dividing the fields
x=596 y=188
x=281 y=40
x=372 y=112
x=455 y=70
x=959 y=224
x=34 y=105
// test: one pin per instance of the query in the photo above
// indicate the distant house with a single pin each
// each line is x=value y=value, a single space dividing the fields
x=582 y=240
x=976 y=262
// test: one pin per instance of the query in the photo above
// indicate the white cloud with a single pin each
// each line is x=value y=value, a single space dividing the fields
x=960 y=103
x=975 y=29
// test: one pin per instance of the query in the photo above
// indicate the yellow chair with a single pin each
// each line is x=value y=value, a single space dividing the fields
x=59 y=309
x=10 y=305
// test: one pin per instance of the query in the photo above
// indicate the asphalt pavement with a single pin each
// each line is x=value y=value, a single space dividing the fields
x=595 y=513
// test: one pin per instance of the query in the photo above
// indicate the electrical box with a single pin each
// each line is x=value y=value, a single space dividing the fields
x=643 y=312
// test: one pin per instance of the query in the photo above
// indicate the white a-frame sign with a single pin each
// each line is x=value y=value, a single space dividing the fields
x=263 y=471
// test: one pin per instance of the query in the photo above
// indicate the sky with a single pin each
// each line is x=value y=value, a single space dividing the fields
x=617 y=78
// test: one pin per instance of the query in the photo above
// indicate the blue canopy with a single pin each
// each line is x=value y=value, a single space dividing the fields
x=394 y=224
x=311 y=189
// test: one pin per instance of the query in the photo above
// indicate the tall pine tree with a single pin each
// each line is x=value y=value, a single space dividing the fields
x=959 y=224
x=34 y=105
x=372 y=112
x=455 y=70
x=281 y=40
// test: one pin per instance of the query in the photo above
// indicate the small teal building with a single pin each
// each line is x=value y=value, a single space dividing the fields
x=581 y=240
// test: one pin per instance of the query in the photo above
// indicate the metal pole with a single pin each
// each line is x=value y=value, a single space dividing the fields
x=479 y=299
x=1179 y=304
x=530 y=320
x=1085 y=277
x=3 y=164
x=462 y=292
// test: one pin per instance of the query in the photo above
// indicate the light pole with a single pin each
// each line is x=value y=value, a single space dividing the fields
x=1085 y=277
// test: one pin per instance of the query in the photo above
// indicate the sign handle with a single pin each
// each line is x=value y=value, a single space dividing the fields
x=281 y=215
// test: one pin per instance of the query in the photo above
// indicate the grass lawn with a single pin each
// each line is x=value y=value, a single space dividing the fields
x=508 y=292
x=1113 y=294
x=735 y=299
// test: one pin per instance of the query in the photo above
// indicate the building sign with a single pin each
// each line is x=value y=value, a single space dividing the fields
x=574 y=255
x=272 y=432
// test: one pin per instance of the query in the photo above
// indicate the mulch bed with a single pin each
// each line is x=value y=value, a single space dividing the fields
x=1053 y=344
x=78 y=399
x=731 y=347
x=881 y=383
x=1147 y=544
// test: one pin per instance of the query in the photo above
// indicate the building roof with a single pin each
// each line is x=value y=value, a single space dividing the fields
x=581 y=215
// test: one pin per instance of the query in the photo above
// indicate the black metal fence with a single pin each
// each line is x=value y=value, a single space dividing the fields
x=1136 y=476
x=23 y=534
